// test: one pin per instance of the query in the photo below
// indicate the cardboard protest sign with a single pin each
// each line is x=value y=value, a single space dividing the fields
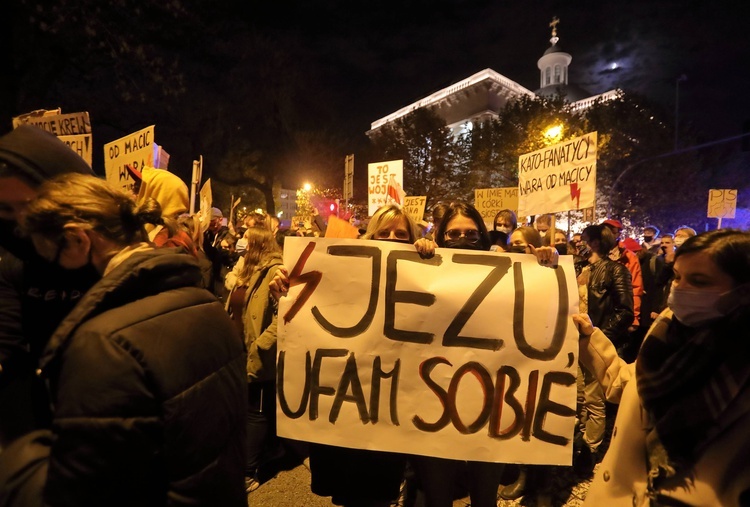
x=380 y=176
x=206 y=202
x=74 y=129
x=54 y=122
x=135 y=149
x=561 y=177
x=488 y=201
x=82 y=144
x=722 y=203
x=414 y=207
x=466 y=355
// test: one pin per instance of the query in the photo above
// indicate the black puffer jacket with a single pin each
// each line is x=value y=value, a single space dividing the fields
x=147 y=381
x=610 y=299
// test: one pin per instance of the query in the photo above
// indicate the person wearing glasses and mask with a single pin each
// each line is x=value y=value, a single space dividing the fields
x=680 y=437
x=462 y=227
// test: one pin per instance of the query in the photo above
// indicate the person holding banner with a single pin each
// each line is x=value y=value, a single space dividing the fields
x=525 y=239
x=357 y=477
x=462 y=226
x=680 y=437
x=147 y=372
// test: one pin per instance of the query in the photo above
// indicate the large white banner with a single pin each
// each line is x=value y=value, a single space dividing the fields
x=561 y=177
x=467 y=355
x=135 y=149
x=381 y=175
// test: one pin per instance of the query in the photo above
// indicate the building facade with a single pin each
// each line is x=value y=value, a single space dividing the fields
x=483 y=95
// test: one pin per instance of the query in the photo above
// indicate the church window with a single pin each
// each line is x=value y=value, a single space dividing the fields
x=547 y=76
x=558 y=74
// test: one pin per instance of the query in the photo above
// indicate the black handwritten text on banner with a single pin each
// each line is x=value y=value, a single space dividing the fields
x=467 y=355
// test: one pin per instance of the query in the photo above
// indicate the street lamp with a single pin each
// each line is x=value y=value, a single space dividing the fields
x=553 y=134
x=307 y=187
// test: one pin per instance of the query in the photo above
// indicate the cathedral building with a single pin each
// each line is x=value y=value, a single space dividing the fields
x=483 y=95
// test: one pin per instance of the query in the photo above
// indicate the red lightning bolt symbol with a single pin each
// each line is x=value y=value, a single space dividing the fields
x=575 y=193
x=312 y=279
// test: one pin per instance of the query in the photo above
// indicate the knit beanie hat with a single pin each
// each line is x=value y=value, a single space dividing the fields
x=39 y=155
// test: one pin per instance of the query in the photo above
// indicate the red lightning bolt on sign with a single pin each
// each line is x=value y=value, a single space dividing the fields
x=312 y=279
x=575 y=194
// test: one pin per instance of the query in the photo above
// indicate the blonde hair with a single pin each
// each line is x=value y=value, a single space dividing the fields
x=89 y=203
x=261 y=244
x=387 y=214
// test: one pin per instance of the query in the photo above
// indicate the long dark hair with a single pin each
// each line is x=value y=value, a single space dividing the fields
x=728 y=248
x=468 y=211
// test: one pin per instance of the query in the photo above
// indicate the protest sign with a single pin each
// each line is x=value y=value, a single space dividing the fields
x=722 y=203
x=54 y=122
x=414 y=207
x=561 y=177
x=466 y=355
x=74 y=129
x=81 y=144
x=206 y=202
x=135 y=149
x=379 y=175
x=488 y=201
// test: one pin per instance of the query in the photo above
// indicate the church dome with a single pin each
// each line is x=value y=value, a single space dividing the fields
x=554 y=49
x=570 y=92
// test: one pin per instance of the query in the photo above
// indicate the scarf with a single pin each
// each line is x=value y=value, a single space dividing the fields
x=694 y=383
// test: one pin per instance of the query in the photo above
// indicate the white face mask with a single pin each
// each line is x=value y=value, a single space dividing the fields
x=695 y=307
x=678 y=241
x=506 y=230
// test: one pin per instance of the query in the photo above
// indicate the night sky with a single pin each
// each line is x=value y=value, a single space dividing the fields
x=376 y=58
x=360 y=61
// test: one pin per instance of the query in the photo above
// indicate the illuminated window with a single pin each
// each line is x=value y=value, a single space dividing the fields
x=558 y=74
x=547 y=76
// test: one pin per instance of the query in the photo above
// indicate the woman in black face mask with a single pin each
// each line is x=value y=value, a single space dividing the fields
x=523 y=239
x=354 y=477
x=390 y=223
x=681 y=427
x=461 y=227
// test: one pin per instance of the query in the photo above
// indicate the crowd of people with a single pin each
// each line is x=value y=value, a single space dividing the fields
x=138 y=351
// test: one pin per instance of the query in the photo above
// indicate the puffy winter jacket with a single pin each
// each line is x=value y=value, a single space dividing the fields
x=147 y=381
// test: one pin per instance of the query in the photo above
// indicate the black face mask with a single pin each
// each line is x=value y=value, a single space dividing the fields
x=463 y=243
x=648 y=239
x=583 y=250
x=562 y=249
x=517 y=249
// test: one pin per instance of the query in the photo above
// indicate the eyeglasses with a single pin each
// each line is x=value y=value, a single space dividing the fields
x=470 y=234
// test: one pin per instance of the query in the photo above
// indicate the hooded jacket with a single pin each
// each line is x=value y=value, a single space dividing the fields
x=168 y=190
x=147 y=381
